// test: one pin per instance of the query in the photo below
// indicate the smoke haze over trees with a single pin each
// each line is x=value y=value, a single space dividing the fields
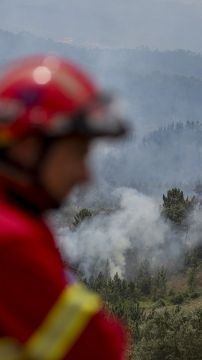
x=162 y=90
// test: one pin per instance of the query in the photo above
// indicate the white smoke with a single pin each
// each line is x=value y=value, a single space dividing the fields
x=135 y=227
x=135 y=224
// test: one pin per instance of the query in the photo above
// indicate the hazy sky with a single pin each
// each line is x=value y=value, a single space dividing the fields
x=163 y=24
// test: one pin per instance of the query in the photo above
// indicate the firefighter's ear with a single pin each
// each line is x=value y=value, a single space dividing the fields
x=26 y=152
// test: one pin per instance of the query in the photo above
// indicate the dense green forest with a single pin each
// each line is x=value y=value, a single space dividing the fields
x=161 y=307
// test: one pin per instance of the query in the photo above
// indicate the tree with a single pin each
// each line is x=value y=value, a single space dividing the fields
x=83 y=214
x=175 y=207
x=144 y=279
x=160 y=284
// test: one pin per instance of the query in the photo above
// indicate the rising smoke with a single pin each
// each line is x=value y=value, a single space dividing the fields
x=134 y=227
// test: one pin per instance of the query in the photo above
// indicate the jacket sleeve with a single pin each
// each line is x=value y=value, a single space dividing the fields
x=38 y=308
x=104 y=338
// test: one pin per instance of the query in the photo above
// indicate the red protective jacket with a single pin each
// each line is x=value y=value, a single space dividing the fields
x=43 y=315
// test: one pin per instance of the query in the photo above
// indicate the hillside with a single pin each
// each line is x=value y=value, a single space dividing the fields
x=158 y=87
x=139 y=60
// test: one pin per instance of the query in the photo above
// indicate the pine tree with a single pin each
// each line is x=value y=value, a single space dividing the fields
x=175 y=207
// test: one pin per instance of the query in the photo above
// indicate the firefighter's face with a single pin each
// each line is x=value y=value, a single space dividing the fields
x=65 y=166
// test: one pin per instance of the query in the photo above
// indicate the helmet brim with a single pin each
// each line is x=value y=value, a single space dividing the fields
x=101 y=118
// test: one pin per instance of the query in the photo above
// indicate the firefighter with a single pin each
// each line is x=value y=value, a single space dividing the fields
x=50 y=111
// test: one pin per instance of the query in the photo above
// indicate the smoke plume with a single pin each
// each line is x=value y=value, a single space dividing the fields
x=135 y=226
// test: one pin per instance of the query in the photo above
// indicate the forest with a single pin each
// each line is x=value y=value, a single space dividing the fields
x=160 y=305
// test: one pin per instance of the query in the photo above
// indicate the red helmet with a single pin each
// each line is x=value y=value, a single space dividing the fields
x=51 y=96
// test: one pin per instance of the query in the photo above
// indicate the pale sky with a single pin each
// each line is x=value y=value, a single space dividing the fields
x=162 y=24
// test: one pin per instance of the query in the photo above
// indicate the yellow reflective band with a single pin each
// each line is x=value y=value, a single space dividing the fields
x=9 y=349
x=63 y=325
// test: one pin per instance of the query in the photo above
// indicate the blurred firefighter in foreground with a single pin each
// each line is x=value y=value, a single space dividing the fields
x=49 y=113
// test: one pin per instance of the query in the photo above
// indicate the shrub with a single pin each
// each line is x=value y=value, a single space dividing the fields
x=158 y=304
x=178 y=298
x=194 y=295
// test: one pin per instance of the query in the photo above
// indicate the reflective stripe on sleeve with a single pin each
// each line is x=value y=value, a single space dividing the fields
x=63 y=325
